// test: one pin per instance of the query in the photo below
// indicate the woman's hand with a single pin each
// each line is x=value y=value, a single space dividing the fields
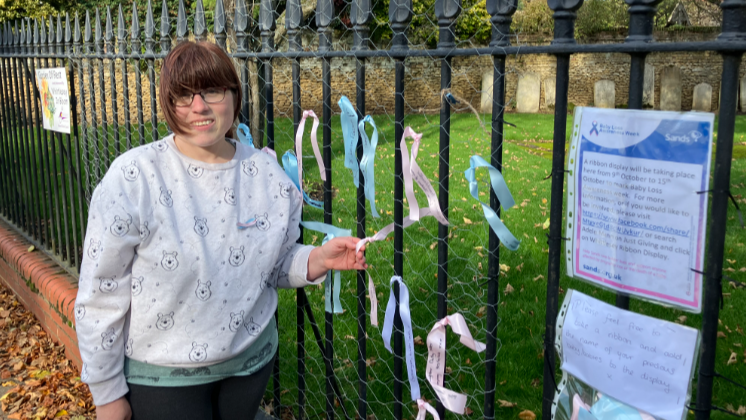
x=337 y=254
x=115 y=410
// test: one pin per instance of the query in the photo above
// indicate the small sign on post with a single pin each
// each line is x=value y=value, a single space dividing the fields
x=55 y=99
x=644 y=362
x=637 y=202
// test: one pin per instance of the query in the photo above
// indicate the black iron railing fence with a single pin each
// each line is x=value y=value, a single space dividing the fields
x=46 y=177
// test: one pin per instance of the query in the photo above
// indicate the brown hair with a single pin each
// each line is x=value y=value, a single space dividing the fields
x=191 y=67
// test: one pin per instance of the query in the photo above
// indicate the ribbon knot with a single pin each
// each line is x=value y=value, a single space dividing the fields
x=351 y=129
x=423 y=407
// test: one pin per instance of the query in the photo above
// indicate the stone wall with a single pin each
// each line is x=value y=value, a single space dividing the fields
x=470 y=76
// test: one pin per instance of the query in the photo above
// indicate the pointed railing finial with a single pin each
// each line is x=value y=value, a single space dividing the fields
x=77 y=36
x=22 y=36
x=121 y=31
x=60 y=45
x=43 y=36
x=165 y=29
x=99 y=36
x=68 y=29
x=50 y=36
x=149 y=29
x=87 y=34
x=200 y=28
x=36 y=36
x=240 y=24
x=220 y=24
x=135 y=30
x=181 y=23
x=109 y=32
x=400 y=14
x=29 y=35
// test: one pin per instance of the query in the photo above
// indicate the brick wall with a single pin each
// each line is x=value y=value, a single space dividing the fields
x=42 y=287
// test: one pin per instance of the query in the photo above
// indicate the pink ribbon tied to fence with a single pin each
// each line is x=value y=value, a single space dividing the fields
x=436 y=349
x=314 y=144
x=423 y=407
x=411 y=171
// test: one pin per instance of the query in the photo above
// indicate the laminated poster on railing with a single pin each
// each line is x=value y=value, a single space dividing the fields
x=621 y=365
x=637 y=202
x=55 y=99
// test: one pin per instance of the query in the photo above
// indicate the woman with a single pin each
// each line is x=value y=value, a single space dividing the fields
x=188 y=239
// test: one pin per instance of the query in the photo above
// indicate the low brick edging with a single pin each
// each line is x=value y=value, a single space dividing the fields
x=42 y=286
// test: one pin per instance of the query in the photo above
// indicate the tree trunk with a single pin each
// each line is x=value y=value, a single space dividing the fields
x=308 y=7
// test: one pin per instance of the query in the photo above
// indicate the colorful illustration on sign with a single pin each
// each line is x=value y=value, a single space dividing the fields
x=54 y=98
x=47 y=102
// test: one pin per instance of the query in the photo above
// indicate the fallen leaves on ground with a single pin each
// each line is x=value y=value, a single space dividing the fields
x=506 y=404
x=732 y=359
x=47 y=383
x=509 y=289
x=527 y=415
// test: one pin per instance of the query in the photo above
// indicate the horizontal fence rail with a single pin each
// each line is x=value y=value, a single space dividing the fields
x=340 y=370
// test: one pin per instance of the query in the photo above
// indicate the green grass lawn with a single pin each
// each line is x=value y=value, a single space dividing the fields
x=526 y=158
x=521 y=313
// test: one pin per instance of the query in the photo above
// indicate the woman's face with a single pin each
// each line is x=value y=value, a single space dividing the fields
x=205 y=125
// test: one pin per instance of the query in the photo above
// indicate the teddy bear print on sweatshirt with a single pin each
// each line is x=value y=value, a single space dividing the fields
x=165 y=322
x=131 y=171
x=203 y=290
x=95 y=249
x=198 y=353
x=237 y=256
x=195 y=171
x=249 y=168
x=120 y=227
x=169 y=261
x=200 y=226
x=236 y=321
x=108 y=339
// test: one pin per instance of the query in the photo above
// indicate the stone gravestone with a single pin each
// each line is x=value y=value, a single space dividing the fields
x=671 y=89
x=648 y=87
x=528 y=93
x=550 y=91
x=743 y=94
x=604 y=94
x=487 y=82
x=702 y=98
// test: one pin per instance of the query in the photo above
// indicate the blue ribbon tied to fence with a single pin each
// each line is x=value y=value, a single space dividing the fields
x=290 y=165
x=331 y=232
x=503 y=194
x=244 y=135
x=351 y=129
x=406 y=319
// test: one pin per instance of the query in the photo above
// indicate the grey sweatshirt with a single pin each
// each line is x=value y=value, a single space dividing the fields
x=168 y=278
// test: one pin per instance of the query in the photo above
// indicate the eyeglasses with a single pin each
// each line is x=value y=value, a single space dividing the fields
x=209 y=95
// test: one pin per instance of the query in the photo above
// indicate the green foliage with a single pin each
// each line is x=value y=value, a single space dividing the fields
x=16 y=9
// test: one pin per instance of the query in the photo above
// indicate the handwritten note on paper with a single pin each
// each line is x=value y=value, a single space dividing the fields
x=639 y=360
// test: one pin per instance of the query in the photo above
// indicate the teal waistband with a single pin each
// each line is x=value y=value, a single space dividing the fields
x=247 y=362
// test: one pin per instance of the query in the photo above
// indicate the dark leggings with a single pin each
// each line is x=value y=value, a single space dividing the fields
x=237 y=397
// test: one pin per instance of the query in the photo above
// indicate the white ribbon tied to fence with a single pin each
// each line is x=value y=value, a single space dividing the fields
x=314 y=144
x=411 y=171
x=406 y=319
x=436 y=349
